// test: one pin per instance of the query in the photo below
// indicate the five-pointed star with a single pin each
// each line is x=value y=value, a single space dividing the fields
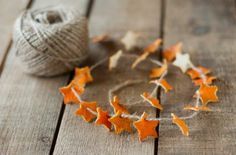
x=182 y=61
x=83 y=75
x=130 y=40
x=208 y=93
x=146 y=127
x=102 y=118
x=120 y=123
x=151 y=48
x=69 y=94
x=196 y=73
x=153 y=101
x=115 y=103
x=157 y=72
x=170 y=53
x=209 y=80
x=87 y=110
x=163 y=83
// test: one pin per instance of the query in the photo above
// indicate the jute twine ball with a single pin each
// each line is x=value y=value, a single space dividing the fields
x=50 y=41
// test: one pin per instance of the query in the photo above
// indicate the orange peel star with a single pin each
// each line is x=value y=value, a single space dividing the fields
x=157 y=72
x=140 y=59
x=83 y=75
x=120 y=124
x=151 y=48
x=209 y=80
x=102 y=118
x=86 y=111
x=115 y=103
x=153 y=101
x=170 y=53
x=195 y=74
x=146 y=127
x=165 y=85
x=69 y=95
x=181 y=124
x=208 y=93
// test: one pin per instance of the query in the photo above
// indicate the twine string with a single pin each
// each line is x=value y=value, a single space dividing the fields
x=134 y=116
x=47 y=46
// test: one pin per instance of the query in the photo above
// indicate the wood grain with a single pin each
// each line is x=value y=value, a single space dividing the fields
x=207 y=30
x=8 y=13
x=29 y=106
x=115 y=18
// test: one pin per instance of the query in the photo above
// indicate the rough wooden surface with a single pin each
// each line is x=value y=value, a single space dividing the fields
x=8 y=13
x=207 y=30
x=75 y=135
x=30 y=106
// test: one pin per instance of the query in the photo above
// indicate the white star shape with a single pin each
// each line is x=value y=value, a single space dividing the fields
x=113 y=60
x=130 y=40
x=183 y=61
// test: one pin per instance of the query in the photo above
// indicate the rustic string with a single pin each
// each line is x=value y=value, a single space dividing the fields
x=131 y=82
x=50 y=41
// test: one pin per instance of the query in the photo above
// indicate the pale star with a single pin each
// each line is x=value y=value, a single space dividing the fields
x=130 y=40
x=183 y=61
x=113 y=60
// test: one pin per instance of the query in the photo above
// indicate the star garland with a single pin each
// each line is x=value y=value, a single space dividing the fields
x=120 y=120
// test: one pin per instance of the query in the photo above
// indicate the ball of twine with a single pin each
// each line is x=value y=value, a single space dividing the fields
x=50 y=41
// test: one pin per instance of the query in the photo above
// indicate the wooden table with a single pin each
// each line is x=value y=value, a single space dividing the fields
x=34 y=120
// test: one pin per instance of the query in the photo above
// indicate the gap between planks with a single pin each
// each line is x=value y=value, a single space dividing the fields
x=161 y=33
x=54 y=140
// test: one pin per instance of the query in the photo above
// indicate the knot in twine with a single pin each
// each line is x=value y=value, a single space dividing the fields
x=50 y=41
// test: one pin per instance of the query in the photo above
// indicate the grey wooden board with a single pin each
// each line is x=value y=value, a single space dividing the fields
x=207 y=30
x=115 y=18
x=8 y=13
x=29 y=106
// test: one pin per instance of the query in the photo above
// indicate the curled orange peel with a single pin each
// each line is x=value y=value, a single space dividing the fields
x=181 y=124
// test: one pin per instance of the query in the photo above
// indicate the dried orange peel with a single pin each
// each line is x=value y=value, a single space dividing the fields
x=170 y=53
x=151 y=48
x=102 y=118
x=157 y=72
x=120 y=119
x=152 y=100
x=115 y=103
x=146 y=127
x=181 y=124
x=121 y=123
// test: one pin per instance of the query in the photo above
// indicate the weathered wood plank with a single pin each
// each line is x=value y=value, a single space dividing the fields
x=207 y=30
x=8 y=13
x=29 y=106
x=115 y=18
